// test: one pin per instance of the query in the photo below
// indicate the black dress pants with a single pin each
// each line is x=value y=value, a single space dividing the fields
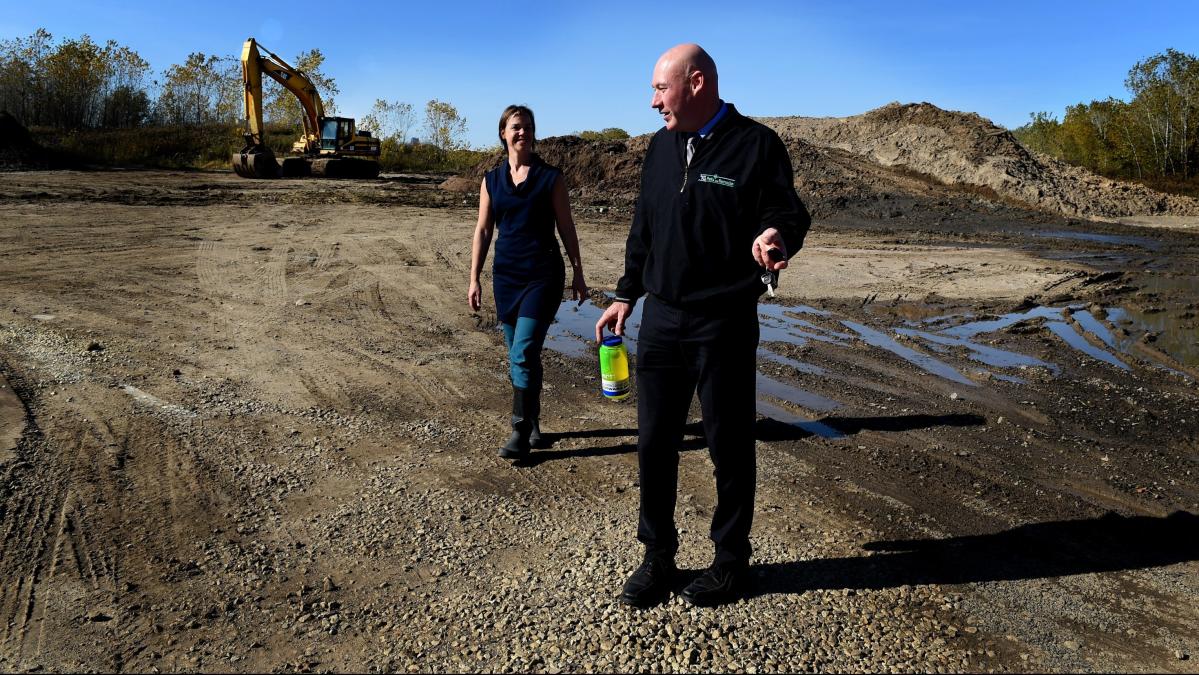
x=714 y=352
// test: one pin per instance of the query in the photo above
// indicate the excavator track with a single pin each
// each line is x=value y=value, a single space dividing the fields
x=345 y=167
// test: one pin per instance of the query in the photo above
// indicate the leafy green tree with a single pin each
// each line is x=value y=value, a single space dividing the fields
x=609 y=134
x=281 y=106
x=389 y=119
x=203 y=89
x=1153 y=136
x=126 y=101
x=1165 y=90
x=22 y=83
x=75 y=76
x=444 y=128
x=125 y=107
x=1041 y=133
x=74 y=84
x=1125 y=139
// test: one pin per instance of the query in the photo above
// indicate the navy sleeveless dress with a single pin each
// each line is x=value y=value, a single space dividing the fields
x=528 y=273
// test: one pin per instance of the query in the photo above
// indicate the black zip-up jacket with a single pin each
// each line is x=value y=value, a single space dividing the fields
x=694 y=226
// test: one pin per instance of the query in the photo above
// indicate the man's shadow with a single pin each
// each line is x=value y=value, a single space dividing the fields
x=765 y=429
x=773 y=430
x=1110 y=543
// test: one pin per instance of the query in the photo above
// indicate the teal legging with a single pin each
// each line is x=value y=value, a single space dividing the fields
x=524 y=342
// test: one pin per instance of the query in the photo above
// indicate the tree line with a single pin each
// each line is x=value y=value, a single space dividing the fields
x=1154 y=136
x=79 y=84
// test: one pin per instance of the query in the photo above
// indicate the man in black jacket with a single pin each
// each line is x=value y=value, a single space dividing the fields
x=717 y=209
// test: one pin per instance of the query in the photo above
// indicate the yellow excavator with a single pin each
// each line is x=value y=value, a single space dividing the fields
x=330 y=146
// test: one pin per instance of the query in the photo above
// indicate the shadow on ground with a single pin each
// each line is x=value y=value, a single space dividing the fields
x=765 y=429
x=1110 y=543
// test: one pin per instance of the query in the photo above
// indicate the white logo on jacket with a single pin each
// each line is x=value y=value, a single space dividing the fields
x=718 y=180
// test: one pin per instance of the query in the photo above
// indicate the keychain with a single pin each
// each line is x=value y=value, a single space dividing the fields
x=771 y=279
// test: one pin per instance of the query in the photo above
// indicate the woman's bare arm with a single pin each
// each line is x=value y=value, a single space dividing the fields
x=570 y=238
x=482 y=242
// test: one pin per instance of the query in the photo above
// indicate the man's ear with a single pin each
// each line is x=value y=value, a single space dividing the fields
x=696 y=80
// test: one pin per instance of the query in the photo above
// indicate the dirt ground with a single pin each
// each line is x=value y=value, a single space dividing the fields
x=251 y=426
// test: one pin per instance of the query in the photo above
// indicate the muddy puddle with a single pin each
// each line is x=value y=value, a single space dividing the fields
x=1163 y=308
x=953 y=347
x=1168 y=312
x=1113 y=239
x=573 y=334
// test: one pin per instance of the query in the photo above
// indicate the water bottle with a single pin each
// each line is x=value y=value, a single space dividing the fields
x=614 y=368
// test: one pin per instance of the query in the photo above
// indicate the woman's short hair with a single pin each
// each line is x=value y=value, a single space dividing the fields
x=523 y=111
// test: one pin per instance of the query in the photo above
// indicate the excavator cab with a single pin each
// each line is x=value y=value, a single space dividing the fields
x=338 y=135
x=336 y=132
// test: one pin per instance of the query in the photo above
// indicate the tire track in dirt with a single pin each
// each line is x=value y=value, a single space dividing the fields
x=208 y=267
x=67 y=521
x=272 y=276
x=89 y=478
x=24 y=597
x=377 y=305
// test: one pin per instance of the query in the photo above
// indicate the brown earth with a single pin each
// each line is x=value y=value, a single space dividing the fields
x=256 y=429
x=881 y=164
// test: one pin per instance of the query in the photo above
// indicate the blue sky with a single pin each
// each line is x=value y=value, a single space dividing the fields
x=587 y=65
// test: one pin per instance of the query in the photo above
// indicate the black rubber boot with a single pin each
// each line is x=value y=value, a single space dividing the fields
x=533 y=408
x=522 y=425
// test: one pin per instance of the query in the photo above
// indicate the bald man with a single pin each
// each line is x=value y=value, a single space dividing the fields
x=717 y=208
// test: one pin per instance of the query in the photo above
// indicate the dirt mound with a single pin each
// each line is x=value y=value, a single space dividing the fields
x=880 y=164
x=965 y=149
x=597 y=172
x=17 y=149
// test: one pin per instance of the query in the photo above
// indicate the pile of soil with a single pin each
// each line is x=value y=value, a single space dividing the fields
x=879 y=164
x=18 y=151
x=967 y=150
x=598 y=172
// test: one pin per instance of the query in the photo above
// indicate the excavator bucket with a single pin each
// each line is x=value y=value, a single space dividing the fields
x=256 y=161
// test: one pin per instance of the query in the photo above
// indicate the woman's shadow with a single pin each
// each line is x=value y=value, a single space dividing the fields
x=693 y=440
x=765 y=429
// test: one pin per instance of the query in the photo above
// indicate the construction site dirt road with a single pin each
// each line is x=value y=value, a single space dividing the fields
x=251 y=426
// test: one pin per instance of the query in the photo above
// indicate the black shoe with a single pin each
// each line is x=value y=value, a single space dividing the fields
x=650 y=583
x=719 y=584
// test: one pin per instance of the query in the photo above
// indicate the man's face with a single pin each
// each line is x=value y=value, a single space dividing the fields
x=673 y=98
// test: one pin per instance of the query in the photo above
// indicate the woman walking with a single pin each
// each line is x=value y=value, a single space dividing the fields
x=526 y=199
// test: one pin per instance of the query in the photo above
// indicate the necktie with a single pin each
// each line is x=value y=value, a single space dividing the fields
x=690 y=149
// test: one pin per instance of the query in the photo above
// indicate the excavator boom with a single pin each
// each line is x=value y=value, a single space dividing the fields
x=329 y=146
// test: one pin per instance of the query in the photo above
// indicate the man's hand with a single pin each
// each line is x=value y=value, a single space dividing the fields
x=769 y=250
x=613 y=319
